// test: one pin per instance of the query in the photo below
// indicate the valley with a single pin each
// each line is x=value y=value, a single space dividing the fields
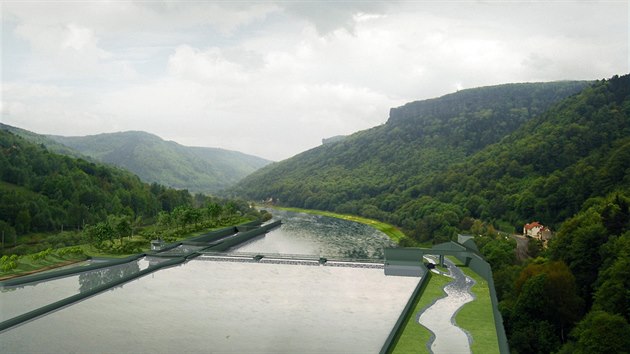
x=480 y=162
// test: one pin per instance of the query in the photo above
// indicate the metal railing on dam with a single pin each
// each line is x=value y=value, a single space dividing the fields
x=290 y=259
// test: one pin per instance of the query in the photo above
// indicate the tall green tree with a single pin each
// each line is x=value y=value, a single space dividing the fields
x=600 y=332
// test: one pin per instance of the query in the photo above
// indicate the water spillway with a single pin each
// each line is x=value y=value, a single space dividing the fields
x=439 y=318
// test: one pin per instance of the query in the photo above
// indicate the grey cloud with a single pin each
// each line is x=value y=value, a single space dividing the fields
x=328 y=16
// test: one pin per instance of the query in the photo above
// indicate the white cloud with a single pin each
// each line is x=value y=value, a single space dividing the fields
x=208 y=65
x=273 y=79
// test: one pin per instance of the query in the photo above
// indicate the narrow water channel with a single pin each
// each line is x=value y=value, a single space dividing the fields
x=439 y=318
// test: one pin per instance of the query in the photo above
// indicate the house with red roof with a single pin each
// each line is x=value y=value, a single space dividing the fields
x=537 y=231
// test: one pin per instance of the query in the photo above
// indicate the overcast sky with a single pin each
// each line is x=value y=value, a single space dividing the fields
x=273 y=78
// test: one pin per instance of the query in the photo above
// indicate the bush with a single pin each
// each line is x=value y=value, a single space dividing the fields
x=8 y=263
x=76 y=251
x=41 y=255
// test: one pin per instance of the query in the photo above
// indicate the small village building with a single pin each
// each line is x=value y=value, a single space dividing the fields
x=538 y=231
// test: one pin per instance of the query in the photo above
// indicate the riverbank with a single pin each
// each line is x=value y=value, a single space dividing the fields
x=28 y=264
x=390 y=230
x=414 y=337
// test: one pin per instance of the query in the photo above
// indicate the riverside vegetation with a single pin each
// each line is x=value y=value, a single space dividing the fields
x=491 y=159
x=56 y=209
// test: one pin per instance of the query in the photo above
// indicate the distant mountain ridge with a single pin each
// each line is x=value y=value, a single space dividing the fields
x=153 y=159
x=198 y=169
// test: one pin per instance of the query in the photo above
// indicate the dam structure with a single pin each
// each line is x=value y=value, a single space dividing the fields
x=249 y=288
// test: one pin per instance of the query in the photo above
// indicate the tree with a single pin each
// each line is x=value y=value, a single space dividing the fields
x=7 y=232
x=121 y=226
x=499 y=253
x=601 y=332
x=213 y=210
x=23 y=221
x=577 y=244
x=546 y=295
x=100 y=233
x=612 y=293
x=164 y=219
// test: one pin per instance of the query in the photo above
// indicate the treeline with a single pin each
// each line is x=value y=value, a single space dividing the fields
x=116 y=233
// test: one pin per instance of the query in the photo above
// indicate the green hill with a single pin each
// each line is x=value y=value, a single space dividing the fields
x=548 y=168
x=42 y=191
x=376 y=172
x=49 y=143
x=197 y=169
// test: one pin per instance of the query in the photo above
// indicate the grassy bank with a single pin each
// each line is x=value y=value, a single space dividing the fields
x=477 y=317
x=57 y=257
x=28 y=264
x=414 y=336
x=391 y=231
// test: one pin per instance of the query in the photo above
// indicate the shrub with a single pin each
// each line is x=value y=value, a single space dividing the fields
x=8 y=263
x=42 y=255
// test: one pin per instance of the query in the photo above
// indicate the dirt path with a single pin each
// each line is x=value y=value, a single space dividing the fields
x=521 y=247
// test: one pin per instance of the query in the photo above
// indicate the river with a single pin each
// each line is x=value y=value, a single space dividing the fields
x=233 y=307
x=308 y=234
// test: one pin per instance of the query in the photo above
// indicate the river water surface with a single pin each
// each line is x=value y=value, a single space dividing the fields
x=307 y=234
x=212 y=306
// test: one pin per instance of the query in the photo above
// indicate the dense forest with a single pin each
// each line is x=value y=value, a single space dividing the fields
x=49 y=194
x=445 y=166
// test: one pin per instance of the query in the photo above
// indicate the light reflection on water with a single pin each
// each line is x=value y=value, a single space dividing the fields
x=16 y=300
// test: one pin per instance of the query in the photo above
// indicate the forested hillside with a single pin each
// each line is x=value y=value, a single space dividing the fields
x=546 y=169
x=197 y=169
x=377 y=172
x=43 y=191
x=50 y=144
x=54 y=207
